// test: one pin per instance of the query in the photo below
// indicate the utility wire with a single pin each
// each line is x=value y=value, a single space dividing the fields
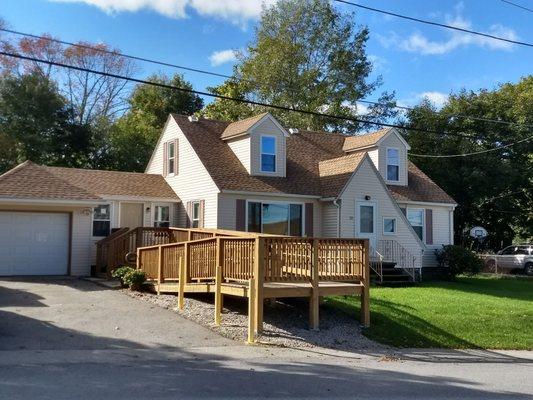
x=235 y=99
x=200 y=71
x=517 y=5
x=470 y=154
x=424 y=21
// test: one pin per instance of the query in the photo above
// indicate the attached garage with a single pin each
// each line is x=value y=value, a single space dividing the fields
x=34 y=243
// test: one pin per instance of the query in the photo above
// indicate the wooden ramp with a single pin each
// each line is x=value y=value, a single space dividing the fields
x=258 y=267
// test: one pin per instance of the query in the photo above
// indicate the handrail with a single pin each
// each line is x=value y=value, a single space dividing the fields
x=377 y=266
x=395 y=252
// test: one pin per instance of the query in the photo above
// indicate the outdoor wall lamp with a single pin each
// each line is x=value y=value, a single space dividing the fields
x=147 y=209
x=367 y=197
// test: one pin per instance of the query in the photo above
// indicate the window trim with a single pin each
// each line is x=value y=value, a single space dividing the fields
x=110 y=218
x=387 y=164
x=193 y=203
x=395 y=226
x=423 y=210
x=300 y=203
x=154 y=216
x=261 y=152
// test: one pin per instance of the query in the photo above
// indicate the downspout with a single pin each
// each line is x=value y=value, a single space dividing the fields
x=336 y=204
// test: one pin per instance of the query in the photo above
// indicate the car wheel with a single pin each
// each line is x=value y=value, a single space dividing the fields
x=491 y=266
x=529 y=269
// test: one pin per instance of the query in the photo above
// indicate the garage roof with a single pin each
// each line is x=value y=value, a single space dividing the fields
x=31 y=181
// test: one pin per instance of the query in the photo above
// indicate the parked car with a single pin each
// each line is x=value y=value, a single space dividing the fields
x=512 y=257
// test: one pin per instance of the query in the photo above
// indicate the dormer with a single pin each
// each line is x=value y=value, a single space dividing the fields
x=387 y=149
x=260 y=144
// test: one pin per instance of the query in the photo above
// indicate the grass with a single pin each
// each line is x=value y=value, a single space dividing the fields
x=473 y=312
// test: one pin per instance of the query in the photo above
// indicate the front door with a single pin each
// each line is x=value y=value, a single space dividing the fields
x=366 y=221
x=131 y=215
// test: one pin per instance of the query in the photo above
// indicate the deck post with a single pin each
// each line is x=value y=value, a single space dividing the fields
x=251 y=310
x=138 y=260
x=314 y=301
x=365 y=293
x=138 y=237
x=258 y=283
x=159 y=269
x=218 y=283
x=181 y=293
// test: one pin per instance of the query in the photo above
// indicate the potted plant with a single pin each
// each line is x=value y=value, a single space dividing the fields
x=134 y=279
x=120 y=273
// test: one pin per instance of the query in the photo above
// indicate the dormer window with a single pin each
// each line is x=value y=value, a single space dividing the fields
x=393 y=164
x=268 y=154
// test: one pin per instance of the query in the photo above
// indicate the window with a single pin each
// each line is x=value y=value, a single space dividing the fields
x=268 y=154
x=101 y=220
x=389 y=226
x=171 y=158
x=162 y=216
x=393 y=165
x=195 y=214
x=508 y=251
x=275 y=218
x=416 y=219
x=366 y=221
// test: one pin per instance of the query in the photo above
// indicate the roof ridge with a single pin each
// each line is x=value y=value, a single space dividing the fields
x=96 y=170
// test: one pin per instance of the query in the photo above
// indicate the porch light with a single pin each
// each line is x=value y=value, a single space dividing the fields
x=367 y=197
x=147 y=209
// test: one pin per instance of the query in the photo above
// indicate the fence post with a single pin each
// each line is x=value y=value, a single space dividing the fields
x=138 y=260
x=314 y=301
x=258 y=283
x=182 y=278
x=251 y=310
x=159 y=269
x=365 y=292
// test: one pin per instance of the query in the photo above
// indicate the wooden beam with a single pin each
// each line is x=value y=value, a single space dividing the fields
x=314 y=301
x=258 y=282
x=251 y=311
x=218 y=295
x=365 y=293
x=159 y=269
x=181 y=290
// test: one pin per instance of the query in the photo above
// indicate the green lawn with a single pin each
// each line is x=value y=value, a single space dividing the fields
x=480 y=312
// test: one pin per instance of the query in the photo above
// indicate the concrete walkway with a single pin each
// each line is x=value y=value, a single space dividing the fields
x=69 y=338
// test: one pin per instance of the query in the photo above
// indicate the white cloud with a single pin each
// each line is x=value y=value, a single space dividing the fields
x=437 y=98
x=222 y=57
x=419 y=43
x=236 y=11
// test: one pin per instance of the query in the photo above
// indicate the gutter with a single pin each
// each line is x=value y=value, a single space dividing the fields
x=336 y=204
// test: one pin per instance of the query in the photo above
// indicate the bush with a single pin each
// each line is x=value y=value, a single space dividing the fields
x=121 y=272
x=134 y=279
x=458 y=260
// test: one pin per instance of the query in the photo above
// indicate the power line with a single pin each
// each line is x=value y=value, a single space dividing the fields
x=235 y=99
x=517 y=5
x=423 y=21
x=471 y=154
x=205 y=72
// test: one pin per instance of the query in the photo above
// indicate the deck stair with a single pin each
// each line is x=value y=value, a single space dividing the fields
x=391 y=264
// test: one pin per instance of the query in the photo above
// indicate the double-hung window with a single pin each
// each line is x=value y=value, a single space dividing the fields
x=268 y=154
x=415 y=216
x=389 y=226
x=171 y=158
x=275 y=218
x=393 y=165
x=162 y=216
x=195 y=217
x=101 y=220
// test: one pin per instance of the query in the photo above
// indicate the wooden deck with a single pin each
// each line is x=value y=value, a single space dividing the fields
x=253 y=266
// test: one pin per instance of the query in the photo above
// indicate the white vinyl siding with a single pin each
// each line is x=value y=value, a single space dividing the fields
x=193 y=181
x=379 y=157
x=363 y=183
x=241 y=147
x=330 y=225
x=268 y=128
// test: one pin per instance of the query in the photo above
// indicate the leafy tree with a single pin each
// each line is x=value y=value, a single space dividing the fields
x=36 y=124
x=134 y=135
x=306 y=54
x=493 y=189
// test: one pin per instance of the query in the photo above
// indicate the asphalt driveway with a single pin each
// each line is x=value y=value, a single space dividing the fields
x=71 y=339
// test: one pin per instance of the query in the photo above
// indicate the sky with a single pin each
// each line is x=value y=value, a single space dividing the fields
x=413 y=60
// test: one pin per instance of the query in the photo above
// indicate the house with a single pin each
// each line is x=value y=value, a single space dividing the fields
x=250 y=175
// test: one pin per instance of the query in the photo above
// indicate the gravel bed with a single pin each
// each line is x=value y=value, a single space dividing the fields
x=285 y=322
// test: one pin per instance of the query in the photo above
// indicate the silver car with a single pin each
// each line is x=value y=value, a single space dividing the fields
x=512 y=257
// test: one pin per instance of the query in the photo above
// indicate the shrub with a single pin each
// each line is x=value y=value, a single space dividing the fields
x=134 y=279
x=458 y=260
x=121 y=272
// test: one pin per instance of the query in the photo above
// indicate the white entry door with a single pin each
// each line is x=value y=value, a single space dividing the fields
x=365 y=221
x=34 y=243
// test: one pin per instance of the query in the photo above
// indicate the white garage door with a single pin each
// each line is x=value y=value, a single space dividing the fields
x=33 y=243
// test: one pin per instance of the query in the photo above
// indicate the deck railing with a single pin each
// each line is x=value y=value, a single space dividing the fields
x=280 y=259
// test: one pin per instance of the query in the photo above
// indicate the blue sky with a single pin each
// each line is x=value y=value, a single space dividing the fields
x=413 y=59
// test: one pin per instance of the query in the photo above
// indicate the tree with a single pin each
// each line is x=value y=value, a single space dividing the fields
x=134 y=136
x=493 y=189
x=306 y=54
x=35 y=124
